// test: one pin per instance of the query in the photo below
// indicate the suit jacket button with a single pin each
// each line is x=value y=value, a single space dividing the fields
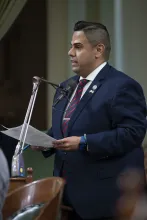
x=65 y=153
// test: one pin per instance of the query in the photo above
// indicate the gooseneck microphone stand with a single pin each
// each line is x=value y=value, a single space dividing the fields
x=17 y=160
x=17 y=168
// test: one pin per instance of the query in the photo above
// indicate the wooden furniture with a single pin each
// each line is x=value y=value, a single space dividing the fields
x=17 y=182
x=45 y=191
x=132 y=202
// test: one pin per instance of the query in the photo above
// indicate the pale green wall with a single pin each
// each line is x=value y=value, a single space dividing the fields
x=92 y=10
x=42 y=167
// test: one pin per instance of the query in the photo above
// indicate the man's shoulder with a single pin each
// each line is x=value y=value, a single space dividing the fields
x=120 y=78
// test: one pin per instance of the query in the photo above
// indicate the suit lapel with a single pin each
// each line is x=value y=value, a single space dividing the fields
x=92 y=90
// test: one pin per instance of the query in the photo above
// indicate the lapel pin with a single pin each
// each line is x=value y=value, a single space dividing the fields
x=91 y=91
x=94 y=87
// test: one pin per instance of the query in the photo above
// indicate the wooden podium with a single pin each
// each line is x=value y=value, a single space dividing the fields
x=21 y=181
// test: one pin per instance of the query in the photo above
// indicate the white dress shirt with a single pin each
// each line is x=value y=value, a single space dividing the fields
x=90 y=78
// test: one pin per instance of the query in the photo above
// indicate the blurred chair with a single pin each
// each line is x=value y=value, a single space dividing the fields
x=133 y=201
x=17 y=182
x=39 y=200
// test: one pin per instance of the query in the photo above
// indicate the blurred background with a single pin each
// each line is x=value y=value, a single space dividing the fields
x=35 y=36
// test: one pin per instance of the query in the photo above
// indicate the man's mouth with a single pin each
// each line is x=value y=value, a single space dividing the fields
x=73 y=62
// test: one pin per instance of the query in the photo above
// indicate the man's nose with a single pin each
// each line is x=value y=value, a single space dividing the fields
x=71 y=52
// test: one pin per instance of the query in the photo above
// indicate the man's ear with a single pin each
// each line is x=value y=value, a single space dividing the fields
x=100 y=48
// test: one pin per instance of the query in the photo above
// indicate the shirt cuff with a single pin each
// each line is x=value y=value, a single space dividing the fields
x=83 y=143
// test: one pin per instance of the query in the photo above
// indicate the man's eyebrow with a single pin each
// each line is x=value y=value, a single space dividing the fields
x=76 y=44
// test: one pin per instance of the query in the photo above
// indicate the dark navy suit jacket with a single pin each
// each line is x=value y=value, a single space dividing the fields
x=114 y=119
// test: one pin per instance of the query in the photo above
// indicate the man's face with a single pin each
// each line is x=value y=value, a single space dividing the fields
x=82 y=54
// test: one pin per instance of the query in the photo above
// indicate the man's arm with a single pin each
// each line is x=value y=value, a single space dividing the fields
x=128 y=114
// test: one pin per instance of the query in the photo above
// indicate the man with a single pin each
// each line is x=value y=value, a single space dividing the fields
x=100 y=130
x=4 y=180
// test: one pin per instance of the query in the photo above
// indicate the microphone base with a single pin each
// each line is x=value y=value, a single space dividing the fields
x=18 y=169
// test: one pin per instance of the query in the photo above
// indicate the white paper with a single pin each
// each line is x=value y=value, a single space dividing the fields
x=34 y=137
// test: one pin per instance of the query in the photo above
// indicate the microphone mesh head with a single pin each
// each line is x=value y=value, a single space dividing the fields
x=72 y=84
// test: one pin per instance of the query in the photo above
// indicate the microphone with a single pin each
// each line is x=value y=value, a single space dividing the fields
x=39 y=80
x=65 y=91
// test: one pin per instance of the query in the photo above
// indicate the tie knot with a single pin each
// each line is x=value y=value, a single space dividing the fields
x=83 y=82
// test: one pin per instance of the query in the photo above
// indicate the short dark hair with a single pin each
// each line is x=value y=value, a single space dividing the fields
x=95 y=33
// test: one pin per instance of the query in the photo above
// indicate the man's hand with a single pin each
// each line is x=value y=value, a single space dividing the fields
x=67 y=144
x=36 y=148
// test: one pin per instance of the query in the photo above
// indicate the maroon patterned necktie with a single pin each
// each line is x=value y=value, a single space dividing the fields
x=73 y=104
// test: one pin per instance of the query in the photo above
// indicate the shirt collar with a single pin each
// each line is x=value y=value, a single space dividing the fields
x=94 y=73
